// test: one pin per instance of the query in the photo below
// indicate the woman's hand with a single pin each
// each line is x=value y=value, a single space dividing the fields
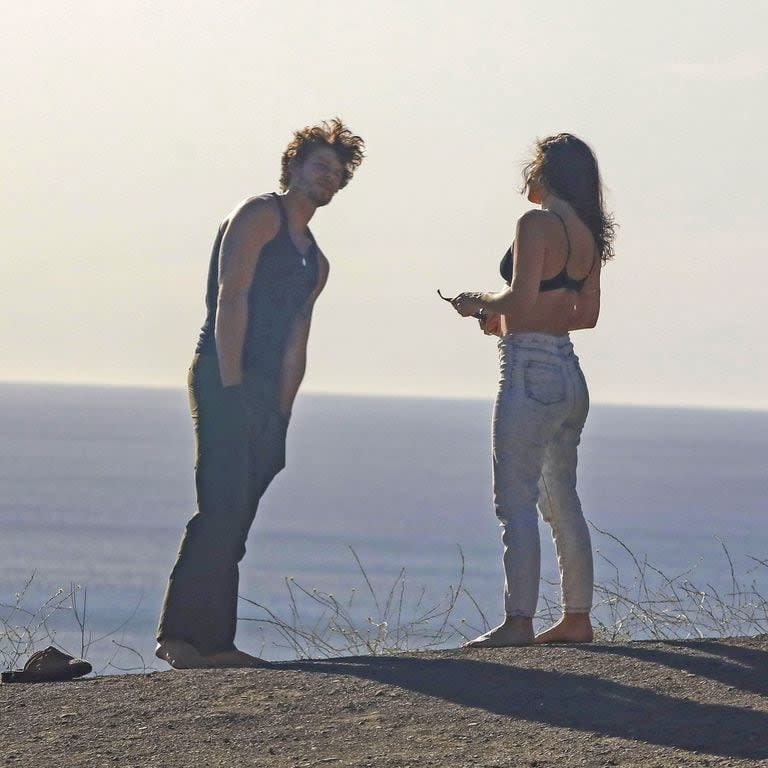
x=467 y=304
x=490 y=324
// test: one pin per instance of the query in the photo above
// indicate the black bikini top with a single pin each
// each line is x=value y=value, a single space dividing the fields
x=561 y=280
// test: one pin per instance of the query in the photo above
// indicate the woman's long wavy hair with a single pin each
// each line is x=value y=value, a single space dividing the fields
x=567 y=167
x=348 y=147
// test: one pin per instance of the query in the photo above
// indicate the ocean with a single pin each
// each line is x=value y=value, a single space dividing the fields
x=97 y=486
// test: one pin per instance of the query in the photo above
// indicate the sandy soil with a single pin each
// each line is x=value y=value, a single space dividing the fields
x=700 y=703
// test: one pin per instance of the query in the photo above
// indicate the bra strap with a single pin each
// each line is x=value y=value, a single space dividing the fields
x=567 y=239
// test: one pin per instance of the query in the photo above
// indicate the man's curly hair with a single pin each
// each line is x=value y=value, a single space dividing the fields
x=330 y=133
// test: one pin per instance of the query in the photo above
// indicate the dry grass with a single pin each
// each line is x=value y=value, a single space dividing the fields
x=645 y=603
x=640 y=603
x=25 y=628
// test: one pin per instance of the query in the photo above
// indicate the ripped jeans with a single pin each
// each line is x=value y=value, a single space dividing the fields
x=540 y=410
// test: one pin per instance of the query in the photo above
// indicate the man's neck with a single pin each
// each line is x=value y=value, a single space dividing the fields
x=299 y=209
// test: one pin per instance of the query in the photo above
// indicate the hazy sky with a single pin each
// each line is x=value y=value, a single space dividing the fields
x=130 y=129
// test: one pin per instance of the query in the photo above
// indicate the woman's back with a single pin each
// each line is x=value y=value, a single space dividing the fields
x=557 y=264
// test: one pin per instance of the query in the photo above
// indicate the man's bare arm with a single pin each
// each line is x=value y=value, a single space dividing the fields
x=249 y=230
x=295 y=359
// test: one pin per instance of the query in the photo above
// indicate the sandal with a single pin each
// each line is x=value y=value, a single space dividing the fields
x=48 y=665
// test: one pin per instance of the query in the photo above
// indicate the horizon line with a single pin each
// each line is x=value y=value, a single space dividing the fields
x=386 y=395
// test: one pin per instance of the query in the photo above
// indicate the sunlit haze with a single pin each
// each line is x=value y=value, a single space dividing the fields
x=130 y=129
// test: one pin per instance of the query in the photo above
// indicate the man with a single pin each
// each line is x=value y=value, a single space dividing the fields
x=265 y=274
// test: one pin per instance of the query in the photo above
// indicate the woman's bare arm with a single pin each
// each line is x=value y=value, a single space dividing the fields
x=530 y=245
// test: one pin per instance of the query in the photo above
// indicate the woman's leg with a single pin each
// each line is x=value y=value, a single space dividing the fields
x=519 y=439
x=560 y=506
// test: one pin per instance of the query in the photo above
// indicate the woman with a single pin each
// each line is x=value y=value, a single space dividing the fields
x=553 y=276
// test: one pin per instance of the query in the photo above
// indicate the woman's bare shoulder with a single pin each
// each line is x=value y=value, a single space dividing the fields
x=537 y=223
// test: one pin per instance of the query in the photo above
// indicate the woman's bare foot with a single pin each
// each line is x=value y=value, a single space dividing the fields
x=516 y=630
x=234 y=658
x=180 y=655
x=572 y=628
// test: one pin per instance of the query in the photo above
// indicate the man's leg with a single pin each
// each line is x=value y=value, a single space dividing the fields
x=266 y=460
x=201 y=600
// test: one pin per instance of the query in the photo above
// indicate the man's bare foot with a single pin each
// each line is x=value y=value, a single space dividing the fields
x=572 y=628
x=180 y=655
x=234 y=658
x=516 y=630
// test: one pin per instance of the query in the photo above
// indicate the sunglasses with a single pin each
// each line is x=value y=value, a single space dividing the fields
x=479 y=315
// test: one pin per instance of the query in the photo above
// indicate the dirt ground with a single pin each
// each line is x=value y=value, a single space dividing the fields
x=693 y=703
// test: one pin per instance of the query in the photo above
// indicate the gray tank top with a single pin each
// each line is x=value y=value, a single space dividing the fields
x=283 y=281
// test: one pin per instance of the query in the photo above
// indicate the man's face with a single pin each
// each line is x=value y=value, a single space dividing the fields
x=319 y=176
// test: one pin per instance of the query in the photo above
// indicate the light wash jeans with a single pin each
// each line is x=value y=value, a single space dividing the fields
x=540 y=411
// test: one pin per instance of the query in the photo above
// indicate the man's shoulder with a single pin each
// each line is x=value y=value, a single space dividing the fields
x=257 y=205
x=259 y=211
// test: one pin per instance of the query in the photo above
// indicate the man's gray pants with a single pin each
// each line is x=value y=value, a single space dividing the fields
x=239 y=448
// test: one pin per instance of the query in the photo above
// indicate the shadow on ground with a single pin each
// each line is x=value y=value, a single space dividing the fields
x=732 y=665
x=589 y=702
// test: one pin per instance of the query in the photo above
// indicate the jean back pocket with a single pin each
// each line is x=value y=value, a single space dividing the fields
x=544 y=382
